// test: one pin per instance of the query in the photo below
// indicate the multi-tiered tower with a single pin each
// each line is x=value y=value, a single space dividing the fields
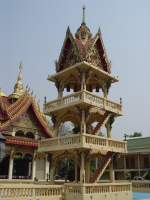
x=84 y=69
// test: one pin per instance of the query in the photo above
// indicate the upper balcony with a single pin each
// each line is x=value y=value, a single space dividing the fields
x=78 y=98
x=82 y=141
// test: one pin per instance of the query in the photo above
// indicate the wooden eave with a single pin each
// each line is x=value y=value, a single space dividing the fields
x=82 y=66
x=21 y=141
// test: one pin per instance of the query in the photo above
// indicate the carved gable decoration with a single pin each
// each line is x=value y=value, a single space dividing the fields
x=94 y=58
x=26 y=121
x=83 y=47
x=98 y=44
x=69 y=54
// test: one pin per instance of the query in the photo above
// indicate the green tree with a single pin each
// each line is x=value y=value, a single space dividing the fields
x=136 y=134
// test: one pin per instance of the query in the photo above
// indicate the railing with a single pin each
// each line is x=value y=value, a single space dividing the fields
x=55 y=192
x=98 y=188
x=23 y=191
x=141 y=186
x=80 y=97
x=82 y=141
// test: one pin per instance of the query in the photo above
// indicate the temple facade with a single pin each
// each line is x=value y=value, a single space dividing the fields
x=22 y=124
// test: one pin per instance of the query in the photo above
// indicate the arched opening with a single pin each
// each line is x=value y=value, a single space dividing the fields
x=30 y=135
x=67 y=128
x=22 y=168
x=65 y=170
x=19 y=133
x=4 y=167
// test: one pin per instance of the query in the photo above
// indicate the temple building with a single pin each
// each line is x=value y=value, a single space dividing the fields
x=135 y=164
x=22 y=124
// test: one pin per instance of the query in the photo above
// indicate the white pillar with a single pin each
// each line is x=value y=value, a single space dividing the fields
x=76 y=170
x=87 y=170
x=52 y=169
x=124 y=161
x=109 y=130
x=11 y=163
x=83 y=81
x=13 y=131
x=46 y=168
x=34 y=166
x=112 y=174
x=83 y=123
x=82 y=168
x=139 y=167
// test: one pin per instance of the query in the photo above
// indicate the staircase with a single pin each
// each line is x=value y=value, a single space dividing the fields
x=99 y=172
x=101 y=123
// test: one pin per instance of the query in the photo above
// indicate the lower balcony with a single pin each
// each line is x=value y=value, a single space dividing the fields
x=22 y=191
x=82 y=141
x=69 y=191
x=100 y=191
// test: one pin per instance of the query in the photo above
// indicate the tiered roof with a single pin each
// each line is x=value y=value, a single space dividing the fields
x=12 y=107
x=10 y=111
x=83 y=47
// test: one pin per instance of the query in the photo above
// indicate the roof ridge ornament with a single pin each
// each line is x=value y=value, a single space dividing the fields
x=83 y=15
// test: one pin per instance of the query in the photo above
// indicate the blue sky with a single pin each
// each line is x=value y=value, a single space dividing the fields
x=33 y=31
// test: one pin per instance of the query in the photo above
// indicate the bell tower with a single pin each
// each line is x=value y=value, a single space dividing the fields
x=84 y=72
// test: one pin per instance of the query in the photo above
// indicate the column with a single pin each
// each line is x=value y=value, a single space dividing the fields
x=82 y=168
x=109 y=130
x=83 y=123
x=34 y=166
x=124 y=161
x=83 y=81
x=60 y=93
x=76 y=170
x=52 y=170
x=47 y=168
x=112 y=174
x=87 y=170
x=11 y=163
x=138 y=160
x=109 y=126
x=13 y=131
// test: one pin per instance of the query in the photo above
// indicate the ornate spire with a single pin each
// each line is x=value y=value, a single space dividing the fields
x=18 y=88
x=83 y=33
x=83 y=16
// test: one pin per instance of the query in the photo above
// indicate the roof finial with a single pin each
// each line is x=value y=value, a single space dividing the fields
x=20 y=75
x=83 y=16
x=18 y=88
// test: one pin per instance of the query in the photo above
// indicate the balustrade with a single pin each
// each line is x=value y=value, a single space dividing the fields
x=141 y=186
x=82 y=141
x=98 y=188
x=24 y=191
x=83 y=96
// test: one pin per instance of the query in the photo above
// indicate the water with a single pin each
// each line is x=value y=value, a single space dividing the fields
x=141 y=196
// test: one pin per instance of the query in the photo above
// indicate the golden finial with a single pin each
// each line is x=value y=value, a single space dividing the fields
x=83 y=15
x=20 y=75
x=18 y=88
x=2 y=94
